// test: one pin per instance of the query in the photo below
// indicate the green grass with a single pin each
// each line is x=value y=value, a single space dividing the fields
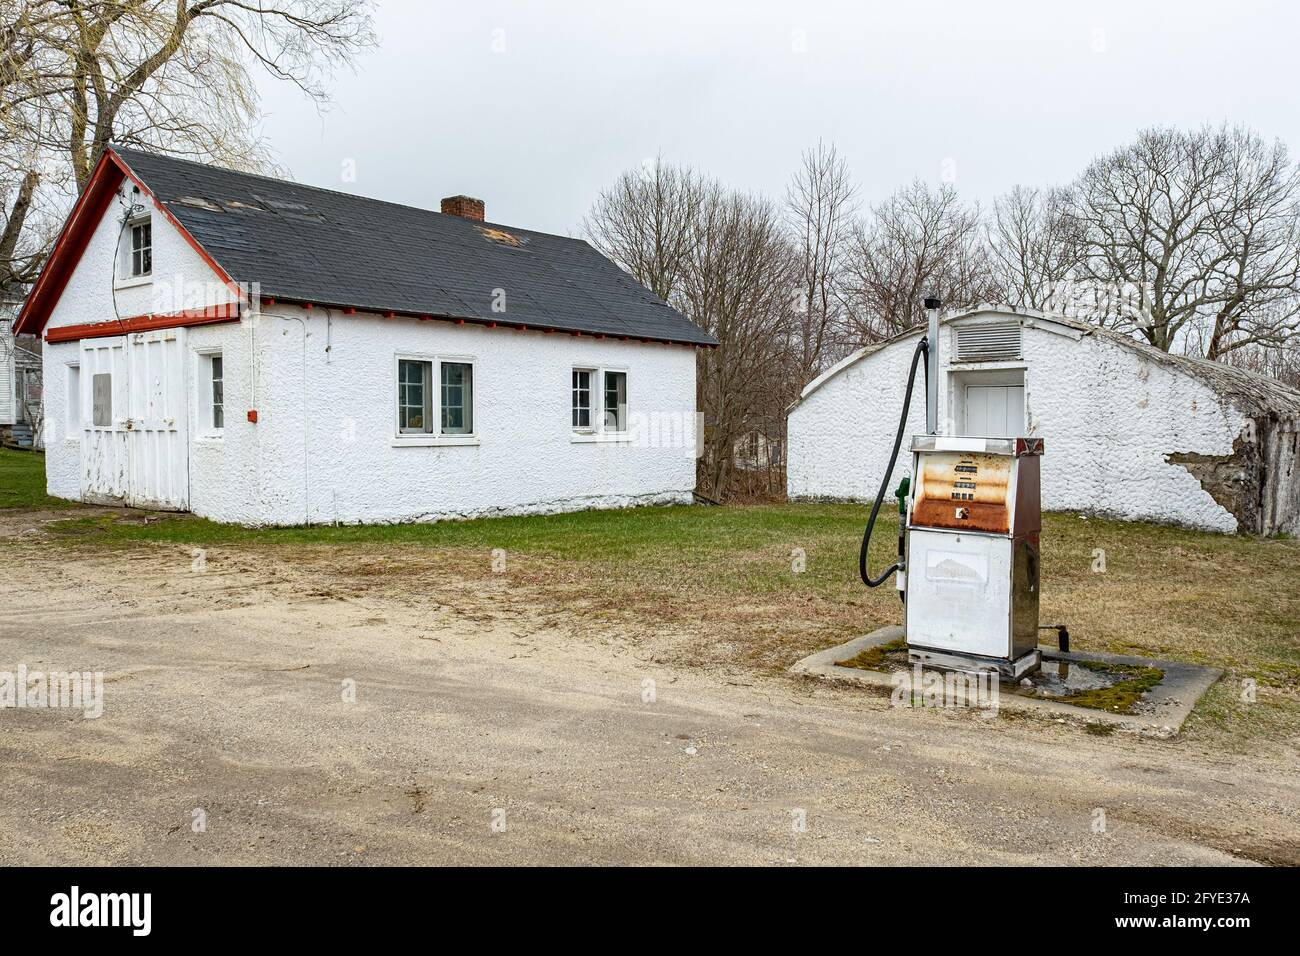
x=22 y=481
x=725 y=577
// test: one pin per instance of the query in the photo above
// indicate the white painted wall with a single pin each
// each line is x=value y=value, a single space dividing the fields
x=1108 y=417
x=95 y=293
x=324 y=448
x=62 y=421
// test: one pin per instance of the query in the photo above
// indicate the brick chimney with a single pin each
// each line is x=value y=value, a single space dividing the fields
x=467 y=207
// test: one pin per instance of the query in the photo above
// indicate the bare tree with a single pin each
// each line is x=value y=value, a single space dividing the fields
x=1197 y=237
x=167 y=75
x=1034 y=248
x=646 y=223
x=1279 y=362
x=722 y=259
x=736 y=286
x=918 y=242
x=819 y=206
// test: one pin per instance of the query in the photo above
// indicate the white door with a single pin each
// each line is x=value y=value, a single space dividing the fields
x=134 y=444
x=995 y=411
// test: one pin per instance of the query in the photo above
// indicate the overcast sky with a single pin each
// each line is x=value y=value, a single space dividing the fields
x=536 y=106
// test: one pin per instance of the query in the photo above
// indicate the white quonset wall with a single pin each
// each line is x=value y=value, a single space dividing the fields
x=1107 y=414
x=840 y=434
x=325 y=447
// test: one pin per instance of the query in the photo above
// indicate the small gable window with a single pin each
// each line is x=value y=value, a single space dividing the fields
x=141 y=248
x=135 y=250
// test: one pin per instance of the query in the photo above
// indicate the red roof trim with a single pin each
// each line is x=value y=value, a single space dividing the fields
x=144 y=323
x=68 y=249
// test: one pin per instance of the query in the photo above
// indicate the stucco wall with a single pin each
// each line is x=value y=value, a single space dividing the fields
x=324 y=446
x=180 y=280
x=1108 y=418
x=839 y=437
x=327 y=447
x=62 y=440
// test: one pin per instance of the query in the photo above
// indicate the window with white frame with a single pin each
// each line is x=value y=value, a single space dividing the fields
x=615 y=401
x=416 y=395
x=457 y=410
x=599 y=402
x=216 y=377
x=140 y=260
x=582 y=411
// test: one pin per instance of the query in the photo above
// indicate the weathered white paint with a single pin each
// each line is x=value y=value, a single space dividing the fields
x=8 y=401
x=1107 y=414
x=137 y=454
x=324 y=448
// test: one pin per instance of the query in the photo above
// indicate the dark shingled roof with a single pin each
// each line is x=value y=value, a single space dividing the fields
x=306 y=244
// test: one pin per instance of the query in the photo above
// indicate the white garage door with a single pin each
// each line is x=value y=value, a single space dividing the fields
x=995 y=411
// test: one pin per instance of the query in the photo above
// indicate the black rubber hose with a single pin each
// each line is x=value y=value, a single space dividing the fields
x=922 y=348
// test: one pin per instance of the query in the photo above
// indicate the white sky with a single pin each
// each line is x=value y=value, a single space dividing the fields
x=1003 y=93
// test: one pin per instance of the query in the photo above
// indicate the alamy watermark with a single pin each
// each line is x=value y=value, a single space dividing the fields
x=66 y=690
x=920 y=687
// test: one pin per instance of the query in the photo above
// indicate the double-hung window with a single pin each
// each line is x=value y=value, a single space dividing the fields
x=616 y=401
x=435 y=397
x=599 y=406
x=414 y=397
x=582 y=411
x=217 y=373
x=141 y=249
x=457 y=409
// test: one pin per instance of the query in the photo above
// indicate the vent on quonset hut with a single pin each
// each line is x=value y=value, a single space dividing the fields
x=988 y=343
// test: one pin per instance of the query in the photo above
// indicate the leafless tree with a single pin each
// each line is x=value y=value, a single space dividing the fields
x=723 y=259
x=736 y=286
x=168 y=75
x=1279 y=362
x=646 y=223
x=819 y=208
x=1196 y=235
x=1034 y=248
x=918 y=242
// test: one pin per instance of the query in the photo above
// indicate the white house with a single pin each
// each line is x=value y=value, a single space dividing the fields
x=8 y=371
x=263 y=352
x=1128 y=431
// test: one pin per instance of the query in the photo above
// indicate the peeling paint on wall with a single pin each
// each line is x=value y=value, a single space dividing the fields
x=1232 y=480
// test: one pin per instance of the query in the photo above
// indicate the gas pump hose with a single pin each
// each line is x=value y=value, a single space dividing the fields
x=922 y=348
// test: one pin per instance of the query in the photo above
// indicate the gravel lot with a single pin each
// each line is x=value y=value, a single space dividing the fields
x=490 y=729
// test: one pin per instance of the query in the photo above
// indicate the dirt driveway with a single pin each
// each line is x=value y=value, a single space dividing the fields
x=489 y=728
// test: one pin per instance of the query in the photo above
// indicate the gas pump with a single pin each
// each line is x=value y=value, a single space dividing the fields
x=968 y=551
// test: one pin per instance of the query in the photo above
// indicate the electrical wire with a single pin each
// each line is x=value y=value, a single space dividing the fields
x=922 y=348
x=130 y=212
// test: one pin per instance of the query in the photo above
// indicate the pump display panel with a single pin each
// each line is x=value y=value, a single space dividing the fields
x=965 y=491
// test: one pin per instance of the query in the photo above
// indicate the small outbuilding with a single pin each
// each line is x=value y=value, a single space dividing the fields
x=1129 y=431
x=264 y=352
